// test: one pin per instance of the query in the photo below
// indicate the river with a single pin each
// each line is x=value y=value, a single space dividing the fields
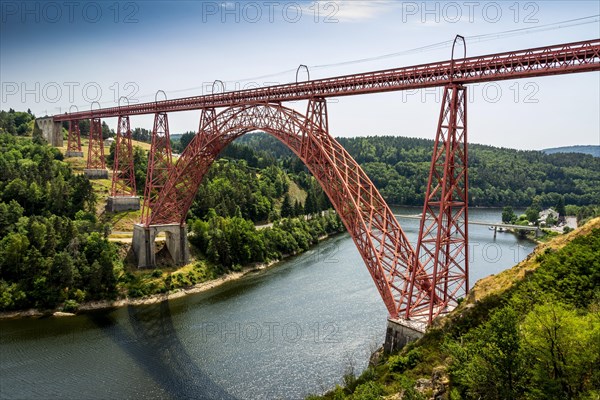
x=282 y=333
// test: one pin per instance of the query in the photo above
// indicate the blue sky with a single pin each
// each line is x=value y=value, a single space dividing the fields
x=57 y=54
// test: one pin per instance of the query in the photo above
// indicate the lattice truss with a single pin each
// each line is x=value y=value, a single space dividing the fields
x=74 y=138
x=123 y=179
x=159 y=164
x=96 y=146
x=417 y=284
x=442 y=246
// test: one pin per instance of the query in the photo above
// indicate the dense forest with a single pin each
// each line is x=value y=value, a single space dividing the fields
x=526 y=336
x=52 y=249
x=16 y=122
x=399 y=167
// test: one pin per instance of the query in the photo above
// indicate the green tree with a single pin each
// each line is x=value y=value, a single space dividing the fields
x=185 y=139
x=9 y=215
x=287 y=210
x=298 y=208
x=84 y=197
x=533 y=213
x=311 y=206
x=106 y=131
x=561 y=350
x=508 y=215
x=488 y=363
x=13 y=252
x=61 y=271
x=560 y=208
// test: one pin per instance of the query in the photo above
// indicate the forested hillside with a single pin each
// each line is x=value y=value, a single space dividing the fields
x=16 y=122
x=399 y=167
x=52 y=248
x=591 y=150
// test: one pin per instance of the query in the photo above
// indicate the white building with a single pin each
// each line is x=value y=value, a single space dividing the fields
x=544 y=214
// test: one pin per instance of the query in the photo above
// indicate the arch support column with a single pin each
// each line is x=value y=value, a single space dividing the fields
x=443 y=244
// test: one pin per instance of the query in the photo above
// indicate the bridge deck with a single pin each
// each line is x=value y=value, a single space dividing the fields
x=543 y=61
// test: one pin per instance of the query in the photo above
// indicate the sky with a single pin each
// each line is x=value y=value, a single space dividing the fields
x=58 y=56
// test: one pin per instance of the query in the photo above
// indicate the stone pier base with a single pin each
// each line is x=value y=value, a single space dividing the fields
x=122 y=203
x=143 y=244
x=400 y=332
x=96 y=173
x=74 y=154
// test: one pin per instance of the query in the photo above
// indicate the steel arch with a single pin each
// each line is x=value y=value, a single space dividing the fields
x=377 y=234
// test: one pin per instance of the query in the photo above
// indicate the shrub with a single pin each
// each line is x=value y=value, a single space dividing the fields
x=400 y=363
x=157 y=273
x=368 y=391
x=70 y=306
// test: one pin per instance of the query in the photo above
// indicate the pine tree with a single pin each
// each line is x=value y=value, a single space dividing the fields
x=560 y=208
x=310 y=206
x=298 y=209
x=286 y=207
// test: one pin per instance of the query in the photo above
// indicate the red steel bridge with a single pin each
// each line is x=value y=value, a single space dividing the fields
x=416 y=283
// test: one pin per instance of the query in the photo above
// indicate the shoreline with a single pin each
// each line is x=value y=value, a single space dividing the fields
x=158 y=297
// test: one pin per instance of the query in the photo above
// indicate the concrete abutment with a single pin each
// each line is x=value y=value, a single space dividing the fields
x=74 y=154
x=144 y=248
x=400 y=332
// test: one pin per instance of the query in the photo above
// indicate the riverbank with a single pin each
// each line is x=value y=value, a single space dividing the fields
x=158 y=297
x=139 y=301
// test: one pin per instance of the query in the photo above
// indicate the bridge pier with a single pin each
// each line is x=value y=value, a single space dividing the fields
x=70 y=153
x=122 y=203
x=400 y=332
x=51 y=131
x=96 y=173
x=145 y=236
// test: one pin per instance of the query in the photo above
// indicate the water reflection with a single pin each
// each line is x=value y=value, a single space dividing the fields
x=156 y=348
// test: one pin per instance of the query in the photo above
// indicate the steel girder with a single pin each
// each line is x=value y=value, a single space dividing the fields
x=558 y=59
